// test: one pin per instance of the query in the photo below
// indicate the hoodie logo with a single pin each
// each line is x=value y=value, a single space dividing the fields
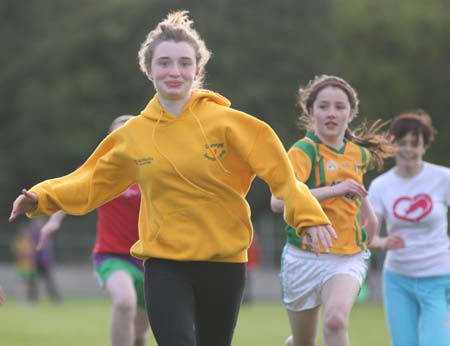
x=214 y=151
x=143 y=161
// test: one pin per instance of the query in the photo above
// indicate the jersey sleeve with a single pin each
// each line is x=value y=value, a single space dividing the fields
x=107 y=173
x=301 y=162
x=269 y=161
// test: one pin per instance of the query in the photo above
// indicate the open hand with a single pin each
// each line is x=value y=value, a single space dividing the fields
x=24 y=203
x=350 y=186
x=318 y=236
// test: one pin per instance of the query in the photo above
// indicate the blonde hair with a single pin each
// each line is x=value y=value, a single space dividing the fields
x=372 y=137
x=176 y=27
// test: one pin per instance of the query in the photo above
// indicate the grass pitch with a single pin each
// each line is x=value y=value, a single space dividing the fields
x=86 y=322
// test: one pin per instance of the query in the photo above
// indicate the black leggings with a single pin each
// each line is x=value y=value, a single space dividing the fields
x=193 y=303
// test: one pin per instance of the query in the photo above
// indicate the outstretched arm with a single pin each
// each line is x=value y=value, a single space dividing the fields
x=108 y=172
x=302 y=211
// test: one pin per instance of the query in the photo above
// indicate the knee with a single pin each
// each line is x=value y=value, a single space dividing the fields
x=335 y=321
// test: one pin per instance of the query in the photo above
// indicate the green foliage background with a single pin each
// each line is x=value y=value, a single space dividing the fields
x=67 y=68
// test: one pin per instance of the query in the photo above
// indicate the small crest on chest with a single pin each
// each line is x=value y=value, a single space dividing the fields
x=332 y=166
x=214 y=151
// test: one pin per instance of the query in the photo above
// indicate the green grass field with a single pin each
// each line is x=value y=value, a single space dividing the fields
x=86 y=322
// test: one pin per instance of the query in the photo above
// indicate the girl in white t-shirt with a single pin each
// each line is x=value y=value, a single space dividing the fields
x=413 y=198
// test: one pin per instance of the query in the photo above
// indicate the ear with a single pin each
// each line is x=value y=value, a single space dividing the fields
x=197 y=72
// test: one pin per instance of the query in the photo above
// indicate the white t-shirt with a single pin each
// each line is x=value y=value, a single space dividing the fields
x=417 y=209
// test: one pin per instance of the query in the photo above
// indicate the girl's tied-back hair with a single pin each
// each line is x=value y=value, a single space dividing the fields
x=372 y=137
x=176 y=27
x=417 y=122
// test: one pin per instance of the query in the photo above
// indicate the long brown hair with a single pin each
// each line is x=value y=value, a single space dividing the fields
x=373 y=137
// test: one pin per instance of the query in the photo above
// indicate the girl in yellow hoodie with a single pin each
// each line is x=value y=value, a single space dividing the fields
x=194 y=159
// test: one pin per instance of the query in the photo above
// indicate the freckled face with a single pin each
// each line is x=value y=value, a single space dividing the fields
x=173 y=70
x=331 y=113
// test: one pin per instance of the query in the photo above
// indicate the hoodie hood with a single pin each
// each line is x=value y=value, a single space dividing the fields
x=155 y=111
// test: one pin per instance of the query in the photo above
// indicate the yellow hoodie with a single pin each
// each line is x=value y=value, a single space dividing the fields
x=194 y=171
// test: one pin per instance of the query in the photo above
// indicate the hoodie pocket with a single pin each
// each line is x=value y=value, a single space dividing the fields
x=206 y=231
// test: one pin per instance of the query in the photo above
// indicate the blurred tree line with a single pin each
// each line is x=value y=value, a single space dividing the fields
x=67 y=68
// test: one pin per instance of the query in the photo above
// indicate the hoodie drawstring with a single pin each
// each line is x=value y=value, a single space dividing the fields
x=207 y=142
x=171 y=163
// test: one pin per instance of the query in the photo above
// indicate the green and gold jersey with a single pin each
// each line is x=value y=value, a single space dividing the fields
x=318 y=165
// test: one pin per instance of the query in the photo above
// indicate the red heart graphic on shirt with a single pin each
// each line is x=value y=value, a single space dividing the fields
x=413 y=209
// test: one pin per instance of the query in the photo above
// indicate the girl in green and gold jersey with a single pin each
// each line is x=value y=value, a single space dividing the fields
x=331 y=159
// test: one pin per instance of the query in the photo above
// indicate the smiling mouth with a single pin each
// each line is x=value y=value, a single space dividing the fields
x=407 y=157
x=173 y=84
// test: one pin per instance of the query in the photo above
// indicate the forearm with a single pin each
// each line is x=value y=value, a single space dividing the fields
x=320 y=193
x=372 y=225
x=325 y=192
x=57 y=218
x=301 y=208
x=378 y=243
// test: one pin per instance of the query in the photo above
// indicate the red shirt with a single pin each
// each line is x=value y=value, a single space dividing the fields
x=117 y=223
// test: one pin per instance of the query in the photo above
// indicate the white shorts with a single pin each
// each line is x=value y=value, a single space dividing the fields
x=303 y=274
